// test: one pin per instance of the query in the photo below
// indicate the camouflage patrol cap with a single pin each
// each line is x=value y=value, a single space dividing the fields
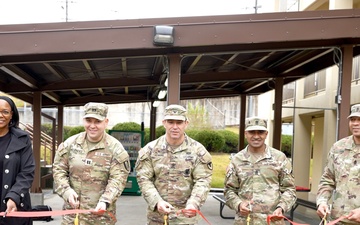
x=355 y=111
x=175 y=112
x=96 y=110
x=255 y=123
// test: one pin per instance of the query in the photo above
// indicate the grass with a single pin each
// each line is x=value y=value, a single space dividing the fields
x=220 y=163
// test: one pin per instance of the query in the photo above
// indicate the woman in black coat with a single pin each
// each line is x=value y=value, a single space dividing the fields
x=17 y=165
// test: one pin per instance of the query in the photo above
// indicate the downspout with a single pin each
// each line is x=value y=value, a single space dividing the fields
x=293 y=138
x=337 y=56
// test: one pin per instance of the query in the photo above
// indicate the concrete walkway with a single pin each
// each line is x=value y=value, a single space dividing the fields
x=131 y=210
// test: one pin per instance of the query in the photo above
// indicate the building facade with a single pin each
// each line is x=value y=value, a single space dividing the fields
x=311 y=106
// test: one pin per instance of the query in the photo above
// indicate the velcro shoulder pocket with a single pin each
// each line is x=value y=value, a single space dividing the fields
x=204 y=156
x=122 y=157
x=62 y=149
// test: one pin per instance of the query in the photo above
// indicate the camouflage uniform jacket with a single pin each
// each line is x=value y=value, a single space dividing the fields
x=267 y=181
x=97 y=174
x=181 y=176
x=342 y=175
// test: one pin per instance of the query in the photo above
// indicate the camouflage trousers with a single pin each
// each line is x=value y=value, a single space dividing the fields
x=258 y=220
x=155 y=223
x=88 y=219
x=170 y=222
x=155 y=218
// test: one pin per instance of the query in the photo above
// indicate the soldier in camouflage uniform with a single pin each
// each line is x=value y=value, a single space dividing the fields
x=90 y=169
x=341 y=177
x=259 y=180
x=174 y=172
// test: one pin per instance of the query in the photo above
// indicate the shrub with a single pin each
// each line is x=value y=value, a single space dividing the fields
x=127 y=126
x=47 y=128
x=76 y=130
x=66 y=130
x=160 y=130
x=286 y=143
x=192 y=133
x=212 y=140
x=231 y=141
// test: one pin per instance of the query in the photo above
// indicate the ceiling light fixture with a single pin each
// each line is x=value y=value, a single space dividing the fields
x=163 y=35
x=162 y=94
x=156 y=104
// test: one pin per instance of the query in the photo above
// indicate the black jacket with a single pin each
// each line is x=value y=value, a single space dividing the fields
x=18 y=174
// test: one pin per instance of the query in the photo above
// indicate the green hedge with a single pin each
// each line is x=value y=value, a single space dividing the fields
x=75 y=130
x=192 y=133
x=47 y=129
x=213 y=141
x=231 y=141
x=127 y=126
x=286 y=143
x=67 y=130
x=159 y=131
x=224 y=141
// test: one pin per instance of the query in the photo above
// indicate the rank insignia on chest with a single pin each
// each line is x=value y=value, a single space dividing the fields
x=88 y=161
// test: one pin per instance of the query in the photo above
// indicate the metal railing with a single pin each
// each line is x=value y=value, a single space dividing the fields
x=46 y=151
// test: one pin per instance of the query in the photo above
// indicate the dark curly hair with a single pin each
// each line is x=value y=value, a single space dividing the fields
x=14 y=122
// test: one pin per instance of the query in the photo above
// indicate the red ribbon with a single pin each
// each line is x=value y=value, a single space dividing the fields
x=53 y=213
x=74 y=211
x=269 y=217
x=192 y=210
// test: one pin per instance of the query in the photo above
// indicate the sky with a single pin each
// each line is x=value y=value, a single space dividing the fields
x=48 y=11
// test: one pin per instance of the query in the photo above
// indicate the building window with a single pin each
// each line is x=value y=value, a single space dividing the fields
x=315 y=83
x=288 y=92
x=355 y=72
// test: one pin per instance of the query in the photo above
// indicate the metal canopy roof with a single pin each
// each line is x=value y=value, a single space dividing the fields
x=116 y=61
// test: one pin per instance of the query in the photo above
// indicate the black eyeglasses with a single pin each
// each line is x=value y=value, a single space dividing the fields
x=5 y=112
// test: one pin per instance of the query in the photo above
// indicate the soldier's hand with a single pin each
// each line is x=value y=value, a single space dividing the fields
x=164 y=207
x=322 y=210
x=245 y=208
x=278 y=213
x=74 y=199
x=354 y=215
x=190 y=211
x=100 y=208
